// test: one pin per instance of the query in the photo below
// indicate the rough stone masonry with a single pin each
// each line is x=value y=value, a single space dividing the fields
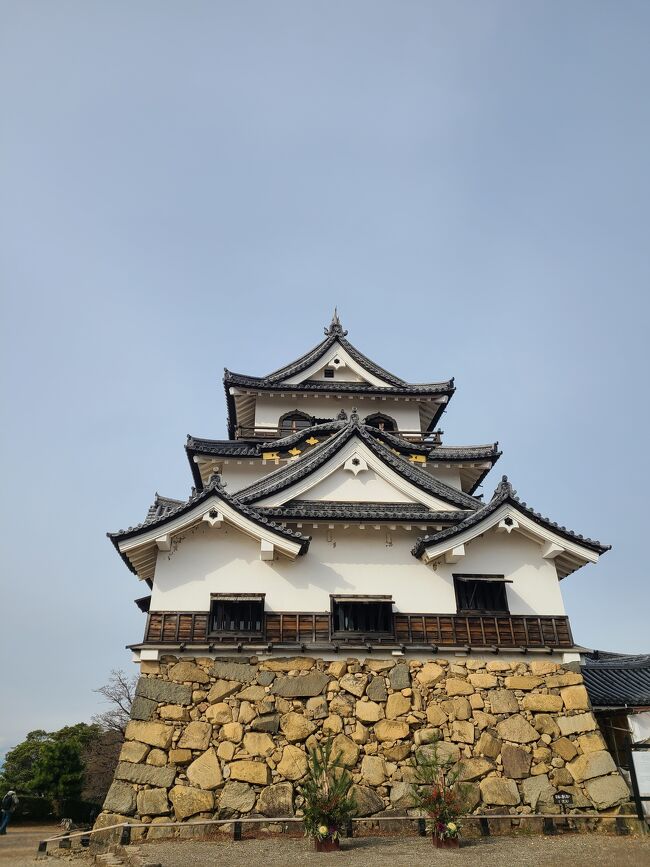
x=222 y=739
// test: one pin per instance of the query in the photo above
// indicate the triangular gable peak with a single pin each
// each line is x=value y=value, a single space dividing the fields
x=506 y=514
x=339 y=356
x=354 y=467
x=139 y=546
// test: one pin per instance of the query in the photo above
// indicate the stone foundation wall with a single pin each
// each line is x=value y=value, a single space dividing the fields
x=222 y=738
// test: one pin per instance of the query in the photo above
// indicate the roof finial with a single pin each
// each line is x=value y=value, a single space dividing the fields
x=335 y=326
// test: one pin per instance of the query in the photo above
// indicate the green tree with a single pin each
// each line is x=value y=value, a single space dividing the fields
x=18 y=768
x=59 y=772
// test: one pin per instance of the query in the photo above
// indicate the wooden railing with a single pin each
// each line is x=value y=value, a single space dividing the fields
x=414 y=630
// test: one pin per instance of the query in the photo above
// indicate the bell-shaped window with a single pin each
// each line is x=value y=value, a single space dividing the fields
x=294 y=421
x=381 y=421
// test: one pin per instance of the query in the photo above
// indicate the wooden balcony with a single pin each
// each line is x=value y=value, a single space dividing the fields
x=412 y=631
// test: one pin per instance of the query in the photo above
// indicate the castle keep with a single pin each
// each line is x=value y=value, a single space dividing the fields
x=334 y=573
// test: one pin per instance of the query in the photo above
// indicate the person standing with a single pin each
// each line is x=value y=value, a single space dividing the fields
x=9 y=804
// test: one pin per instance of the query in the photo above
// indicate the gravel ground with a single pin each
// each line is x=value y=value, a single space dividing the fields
x=577 y=850
x=18 y=847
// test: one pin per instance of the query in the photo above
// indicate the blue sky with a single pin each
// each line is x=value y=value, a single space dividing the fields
x=191 y=185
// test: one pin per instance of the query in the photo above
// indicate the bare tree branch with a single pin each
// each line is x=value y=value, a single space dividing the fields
x=119 y=692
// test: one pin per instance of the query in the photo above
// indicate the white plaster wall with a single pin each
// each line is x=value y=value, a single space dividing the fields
x=449 y=476
x=269 y=410
x=349 y=561
x=240 y=474
x=535 y=588
x=367 y=487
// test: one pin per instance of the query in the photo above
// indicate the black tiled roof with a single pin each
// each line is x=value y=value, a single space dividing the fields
x=289 y=475
x=160 y=507
x=618 y=681
x=261 y=383
x=337 y=511
x=214 y=486
x=505 y=493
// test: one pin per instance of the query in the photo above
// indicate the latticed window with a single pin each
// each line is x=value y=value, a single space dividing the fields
x=381 y=421
x=237 y=613
x=294 y=421
x=362 y=615
x=484 y=594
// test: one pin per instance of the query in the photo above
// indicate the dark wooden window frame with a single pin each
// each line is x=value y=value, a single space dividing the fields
x=328 y=372
x=352 y=599
x=252 y=599
x=285 y=427
x=479 y=579
x=376 y=418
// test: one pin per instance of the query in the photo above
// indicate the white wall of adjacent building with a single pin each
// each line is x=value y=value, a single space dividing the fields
x=269 y=410
x=204 y=561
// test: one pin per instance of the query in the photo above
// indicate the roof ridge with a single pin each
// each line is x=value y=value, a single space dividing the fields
x=503 y=492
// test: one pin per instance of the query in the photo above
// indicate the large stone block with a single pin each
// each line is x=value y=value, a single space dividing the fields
x=296 y=727
x=222 y=689
x=462 y=731
x=436 y=715
x=402 y=796
x=133 y=751
x=592 y=742
x=428 y=675
x=569 y=679
x=205 y=772
x=373 y=770
x=575 y=698
x=293 y=764
x=473 y=769
x=591 y=765
x=258 y=744
x=196 y=736
x=498 y=792
x=304 y=686
x=399 y=677
x=143 y=708
x=145 y=774
x=455 y=686
x=235 y=798
x=488 y=746
x=276 y=800
x=536 y=701
x=355 y=684
x=537 y=791
x=188 y=672
x=269 y=722
x=188 y=801
x=482 y=680
x=346 y=749
x=247 y=771
x=503 y=701
x=121 y=798
x=153 y=802
x=376 y=689
x=152 y=733
x=370 y=711
x=391 y=730
x=606 y=792
x=397 y=705
x=162 y=690
x=516 y=762
x=235 y=671
x=516 y=728
x=564 y=748
x=293 y=663
x=523 y=681
x=219 y=713
x=367 y=801
x=581 y=722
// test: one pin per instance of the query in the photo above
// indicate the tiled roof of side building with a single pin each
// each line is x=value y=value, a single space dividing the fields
x=339 y=511
x=618 y=681
x=504 y=493
x=214 y=486
x=294 y=472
